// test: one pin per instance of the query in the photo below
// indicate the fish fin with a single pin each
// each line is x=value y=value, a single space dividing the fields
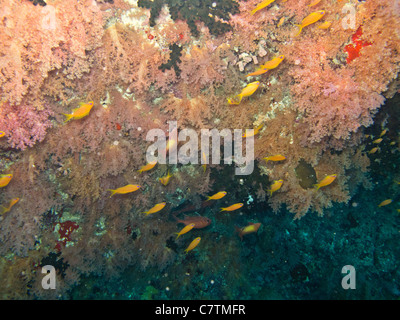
x=300 y=28
x=112 y=192
x=238 y=230
x=69 y=117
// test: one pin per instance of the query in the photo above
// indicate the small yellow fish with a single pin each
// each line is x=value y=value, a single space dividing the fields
x=326 y=181
x=377 y=141
x=232 y=207
x=261 y=5
x=246 y=92
x=325 y=25
x=123 y=190
x=373 y=150
x=3 y=209
x=2 y=134
x=281 y=21
x=278 y=157
x=80 y=112
x=314 y=3
x=255 y=131
x=156 y=208
x=217 y=196
x=186 y=229
x=385 y=202
x=276 y=186
x=310 y=19
x=193 y=244
x=148 y=166
x=251 y=228
x=5 y=179
x=165 y=180
x=272 y=64
x=383 y=132
x=392 y=143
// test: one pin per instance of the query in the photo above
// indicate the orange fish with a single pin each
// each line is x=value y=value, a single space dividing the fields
x=325 y=25
x=281 y=21
x=3 y=209
x=373 y=150
x=217 y=196
x=314 y=3
x=377 y=141
x=185 y=229
x=276 y=186
x=252 y=227
x=272 y=64
x=123 y=190
x=148 y=166
x=326 y=181
x=193 y=244
x=246 y=92
x=156 y=208
x=2 y=134
x=80 y=112
x=278 y=157
x=261 y=5
x=5 y=179
x=165 y=180
x=255 y=131
x=385 y=202
x=310 y=19
x=383 y=132
x=232 y=207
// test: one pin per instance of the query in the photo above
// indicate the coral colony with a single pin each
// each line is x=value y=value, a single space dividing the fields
x=281 y=110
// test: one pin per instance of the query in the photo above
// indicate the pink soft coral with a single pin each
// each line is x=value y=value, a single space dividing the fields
x=24 y=125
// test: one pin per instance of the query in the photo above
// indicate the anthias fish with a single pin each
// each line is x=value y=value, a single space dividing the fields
x=217 y=196
x=277 y=157
x=5 y=179
x=193 y=244
x=261 y=5
x=123 y=190
x=310 y=19
x=325 y=181
x=246 y=92
x=276 y=186
x=156 y=208
x=232 y=207
x=251 y=228
x=80 y=112
x=4 y=209
x=185 y=229
x=148 y=166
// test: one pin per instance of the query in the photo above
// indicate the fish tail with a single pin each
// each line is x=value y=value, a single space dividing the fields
x=178 y=235
x=316 y=187
x=112 y=192
x=253 y=11
x=300 y=28
x=69 y=117
x=222 y=209
x=238 y=230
